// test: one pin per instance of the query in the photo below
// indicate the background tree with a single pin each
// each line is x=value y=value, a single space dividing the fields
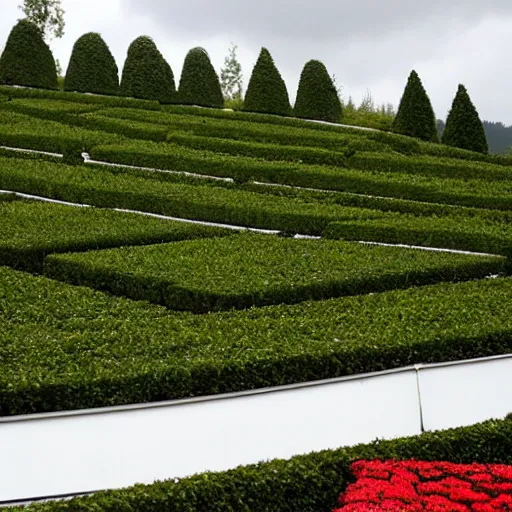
x=199 y=83
x=92 y=67
x=27 y=60
x=464 y=129
x=231 y=77
x=47 y=15
x=317 y=97
x=415 y=116
x=266 y=92
x=146 y=74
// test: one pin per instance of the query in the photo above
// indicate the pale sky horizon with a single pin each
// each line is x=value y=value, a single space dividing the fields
x=367 y=45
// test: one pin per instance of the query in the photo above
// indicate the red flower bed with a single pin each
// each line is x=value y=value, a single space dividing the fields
x=412 y=486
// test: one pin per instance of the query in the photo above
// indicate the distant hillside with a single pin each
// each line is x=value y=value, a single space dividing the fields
x=499 y=136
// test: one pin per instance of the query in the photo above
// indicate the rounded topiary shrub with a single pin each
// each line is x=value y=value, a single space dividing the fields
x=27 y=60
x=266 y=92
x=464 y=129
x=317 y=98
x=415 y=116
x=92 y=67
x=146 y=74
x=199 y=83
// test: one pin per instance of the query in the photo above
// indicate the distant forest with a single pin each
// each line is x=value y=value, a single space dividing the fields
x=499 y=136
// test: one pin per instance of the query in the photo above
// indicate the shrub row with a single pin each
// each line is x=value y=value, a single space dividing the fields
x=107 y=101
x=470 y=234
x=306 y=483
x=32 y=230
x=257 y=270
x=118 y=189
x=126 y=352
x=472 y=193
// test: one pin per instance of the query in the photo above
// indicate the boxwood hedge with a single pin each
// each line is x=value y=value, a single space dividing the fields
x=32 y=230
x=66 y=347
x=257 y=270
x=306 y=483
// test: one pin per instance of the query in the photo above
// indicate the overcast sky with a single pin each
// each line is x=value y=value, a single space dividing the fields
x=368 y=44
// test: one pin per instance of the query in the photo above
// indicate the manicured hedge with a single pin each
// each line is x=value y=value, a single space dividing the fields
x=22 y=131
x=146 y=74
x=257 y=270
x=107 y=101
x=470 y=234
x=26 y=59
x=32 y=230
x=306 y=483
x=119 y=189
x=128 y=352
x=472 y=193
x=92 y=67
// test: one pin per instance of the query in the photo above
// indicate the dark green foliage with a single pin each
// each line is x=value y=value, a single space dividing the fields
x=30 y=231
x=199 y=83
x=27 y=60
x=317 y=98
x=463 y=126
x=415 y=116
x=266 y=92
x=92 y=67
x=258 y=270
x=146 y=74
x=306 y=483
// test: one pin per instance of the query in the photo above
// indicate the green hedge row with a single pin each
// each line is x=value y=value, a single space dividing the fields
x=22 y=131
x=306 y=483
x=470 y=234
x=472 y=193
x=257 y=270
x=115 y=188
x=32 y=230
x=74 y=348
x=107 y=101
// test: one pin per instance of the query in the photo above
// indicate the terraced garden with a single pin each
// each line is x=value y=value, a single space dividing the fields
x=100 y=306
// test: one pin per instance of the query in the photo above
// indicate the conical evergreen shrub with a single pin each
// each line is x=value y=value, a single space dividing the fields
x=317 y=98
x=92 y=67
x=266 y=92
x=199 y=83
x=146 y=74
x=415 y=116
x=27 y=60
x=464 y=129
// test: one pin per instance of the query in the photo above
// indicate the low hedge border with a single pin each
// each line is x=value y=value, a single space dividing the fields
x=33 y=230
x=248 y=270
x=305 y=483
x=68 y=348
x=114 y=188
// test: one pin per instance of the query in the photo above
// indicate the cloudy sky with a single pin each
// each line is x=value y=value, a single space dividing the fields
x=367 y=44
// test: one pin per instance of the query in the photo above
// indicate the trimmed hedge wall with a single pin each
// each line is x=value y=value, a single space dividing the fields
x=27 y=60
x=266 y=92
x=135 y=352
x=306 y=483
x=199 y=83
x=32 y=230
x=146 y=74
x=92 y=67
x=317 y=98
x=257 y=270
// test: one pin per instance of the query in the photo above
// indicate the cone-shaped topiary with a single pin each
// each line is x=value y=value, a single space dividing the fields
x=266 y=91
x=464 y=129
x=92 y=67
x=199 y=83
x=415 y=116
x=146 y=74
x=317 y=98
x=27 y=60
